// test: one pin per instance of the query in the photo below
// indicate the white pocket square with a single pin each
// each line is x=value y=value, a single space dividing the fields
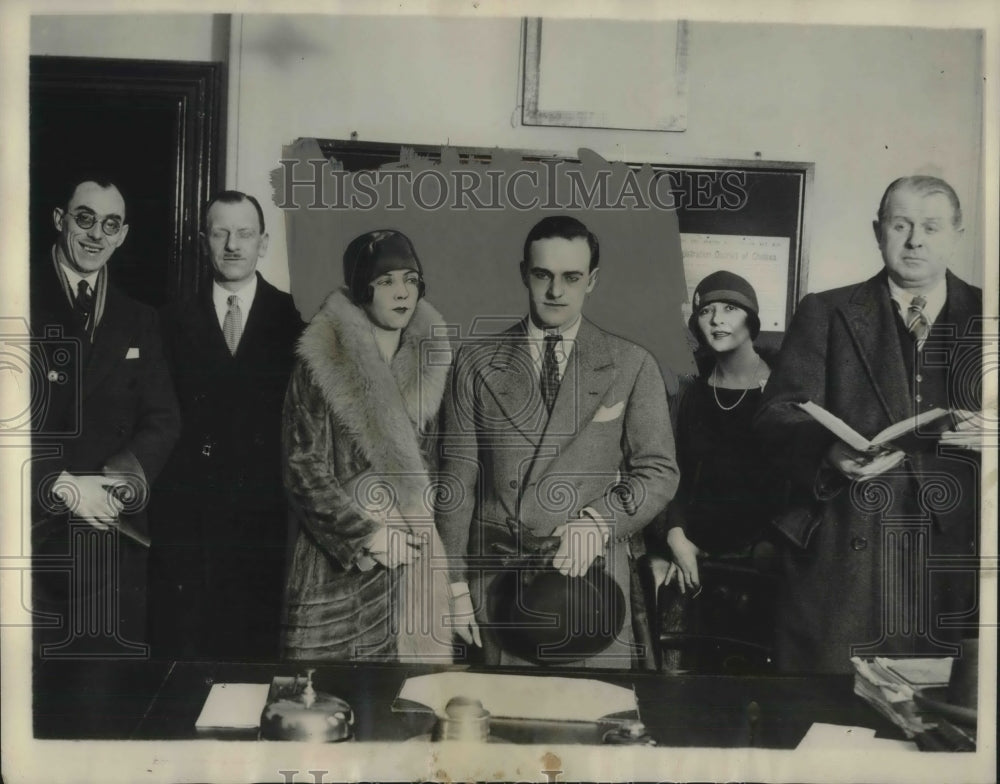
x=133 y=353
x=609 y=413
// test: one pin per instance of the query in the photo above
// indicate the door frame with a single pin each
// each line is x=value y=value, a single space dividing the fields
x=197 y=88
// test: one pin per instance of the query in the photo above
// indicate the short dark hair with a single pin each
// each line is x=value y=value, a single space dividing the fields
x=564 y=227
x=99 y=179
x=924 y=185
x=232 y=197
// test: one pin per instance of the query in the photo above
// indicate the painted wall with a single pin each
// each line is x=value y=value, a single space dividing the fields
x=138 y=36
x=865 y=104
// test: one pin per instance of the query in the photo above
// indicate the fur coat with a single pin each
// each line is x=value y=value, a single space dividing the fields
x=359 y=438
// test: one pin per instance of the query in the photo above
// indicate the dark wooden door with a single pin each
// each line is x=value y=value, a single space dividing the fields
x=154 y=129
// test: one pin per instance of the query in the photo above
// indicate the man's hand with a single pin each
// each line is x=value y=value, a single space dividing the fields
x=582 y=541
x=393 y=545
x=685 y=561
x=465 y=625
x=861 y=465
x=970 y=430
x=88 y=497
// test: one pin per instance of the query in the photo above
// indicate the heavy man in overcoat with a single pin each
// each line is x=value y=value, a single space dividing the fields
x=880 y=551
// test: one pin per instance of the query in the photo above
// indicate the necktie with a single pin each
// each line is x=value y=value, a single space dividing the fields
x=232 y=325
x=84 y=305
x=550 y=372
x=916 y=322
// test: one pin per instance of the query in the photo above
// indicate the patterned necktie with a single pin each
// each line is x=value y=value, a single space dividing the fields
x=232 y=326
x=550 y=372
x=916 y=322
x=84 y=305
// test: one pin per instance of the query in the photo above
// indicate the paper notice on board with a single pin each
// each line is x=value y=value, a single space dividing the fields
x=761 y=260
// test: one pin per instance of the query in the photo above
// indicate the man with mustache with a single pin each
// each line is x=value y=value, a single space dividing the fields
x=217 y=572
x=880 y=547
x=104 y=418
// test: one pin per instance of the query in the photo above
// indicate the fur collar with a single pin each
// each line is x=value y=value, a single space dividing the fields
x=380 y=405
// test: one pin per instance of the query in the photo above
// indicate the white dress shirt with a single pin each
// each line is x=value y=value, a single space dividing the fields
x=935 y=300
x=74 y=279
x=220 y=298
x=536 y=344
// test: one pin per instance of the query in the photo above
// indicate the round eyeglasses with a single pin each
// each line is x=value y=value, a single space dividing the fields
x=110 y=225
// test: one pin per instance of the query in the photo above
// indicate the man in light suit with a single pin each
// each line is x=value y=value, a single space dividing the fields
x=220 y=525
x=104 y=425
x=880 y=550
x=557 y=429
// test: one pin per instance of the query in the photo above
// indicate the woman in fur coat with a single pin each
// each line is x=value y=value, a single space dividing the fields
x=359 y=425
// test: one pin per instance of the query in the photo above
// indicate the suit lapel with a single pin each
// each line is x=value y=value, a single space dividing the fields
x=511 y=381
x=203 y=331
x=589 y=375
x=255 y=332
x=111 y=340
x=50 y=309
x=963 y=306
x=870 y=319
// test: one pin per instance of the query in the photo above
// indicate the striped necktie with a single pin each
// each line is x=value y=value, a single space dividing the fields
x=232 y=325
x=550 y=372
x=916 y=322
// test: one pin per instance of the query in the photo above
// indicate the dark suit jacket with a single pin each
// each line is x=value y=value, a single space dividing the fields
x=844 y=556
x=220 y=521
x=108 y=406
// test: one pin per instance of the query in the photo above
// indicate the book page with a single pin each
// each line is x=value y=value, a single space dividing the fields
x=837 y=426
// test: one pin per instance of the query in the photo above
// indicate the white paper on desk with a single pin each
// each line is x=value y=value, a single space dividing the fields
x=835 y=736
x=233 y=705
x=919 y=672
x=522 y=696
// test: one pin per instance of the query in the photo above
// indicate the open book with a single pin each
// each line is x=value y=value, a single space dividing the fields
x=906 y=435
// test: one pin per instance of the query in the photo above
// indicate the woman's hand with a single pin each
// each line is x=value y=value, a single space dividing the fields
x=685 y=561
x=393 y=545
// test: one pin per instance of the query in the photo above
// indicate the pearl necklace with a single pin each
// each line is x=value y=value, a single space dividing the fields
x=715 y=388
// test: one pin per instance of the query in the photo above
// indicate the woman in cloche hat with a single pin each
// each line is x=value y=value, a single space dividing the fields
x=725 y=495
x=359 y=419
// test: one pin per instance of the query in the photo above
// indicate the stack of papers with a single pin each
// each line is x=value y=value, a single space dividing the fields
x=233 y=706
x=520 y=696
x=887 y=685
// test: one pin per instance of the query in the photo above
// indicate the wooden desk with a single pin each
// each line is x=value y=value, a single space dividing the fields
x=161 y=701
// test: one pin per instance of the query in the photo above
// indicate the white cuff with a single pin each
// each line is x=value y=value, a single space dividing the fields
x=590 y=512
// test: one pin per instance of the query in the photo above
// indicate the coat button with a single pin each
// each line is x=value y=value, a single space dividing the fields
x=859 y=543
x=513 y=484
x=919 y=398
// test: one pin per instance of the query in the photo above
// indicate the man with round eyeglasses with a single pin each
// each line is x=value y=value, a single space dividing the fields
x=104 y=420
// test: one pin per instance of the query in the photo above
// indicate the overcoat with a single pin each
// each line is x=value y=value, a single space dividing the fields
x=102 y=406
x=219 y=517
x=885 y=565
x=359 y=436
x=508 y=466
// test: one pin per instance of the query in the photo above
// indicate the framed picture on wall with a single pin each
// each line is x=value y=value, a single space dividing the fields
x=584 y=73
